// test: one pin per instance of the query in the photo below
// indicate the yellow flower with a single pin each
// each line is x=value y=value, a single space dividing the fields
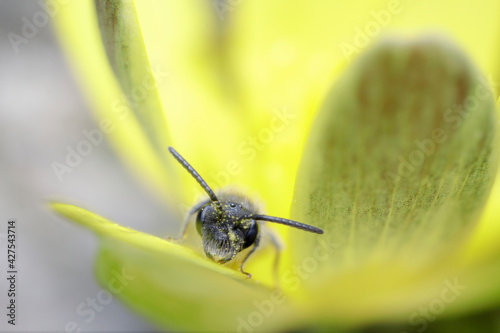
x=396 y=166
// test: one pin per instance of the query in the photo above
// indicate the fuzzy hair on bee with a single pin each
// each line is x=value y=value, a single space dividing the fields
x=228 y=223
x=223 y=238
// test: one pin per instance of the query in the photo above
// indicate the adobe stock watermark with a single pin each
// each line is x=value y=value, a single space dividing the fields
x=87 y=310
x=436 y=306
x=455 y=115
x=292 y=279
x=222 y=7
x=247 y=150
x=31 y=26
x=94 y=137
x=363 y=36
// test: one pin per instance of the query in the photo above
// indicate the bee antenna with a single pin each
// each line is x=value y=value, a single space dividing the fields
x=289 y=223
x=195 y=175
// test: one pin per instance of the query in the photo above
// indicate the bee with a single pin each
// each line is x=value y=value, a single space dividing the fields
x=229 y=224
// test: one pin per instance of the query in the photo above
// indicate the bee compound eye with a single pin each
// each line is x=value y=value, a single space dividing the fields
x=251 y=234
x=200 y=218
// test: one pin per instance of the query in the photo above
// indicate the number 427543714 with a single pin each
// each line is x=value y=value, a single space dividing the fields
x=11 y=246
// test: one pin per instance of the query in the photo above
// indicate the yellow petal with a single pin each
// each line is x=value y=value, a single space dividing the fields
x=77 y=29
x=122 y=37
x=174 y=287
x=206 y=121
x=286 y=53
x=473 y=25
x=397 y=169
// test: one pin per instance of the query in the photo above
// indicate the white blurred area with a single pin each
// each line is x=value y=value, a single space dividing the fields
x=41 y=112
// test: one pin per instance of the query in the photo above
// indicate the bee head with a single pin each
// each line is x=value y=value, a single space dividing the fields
x=225 y=229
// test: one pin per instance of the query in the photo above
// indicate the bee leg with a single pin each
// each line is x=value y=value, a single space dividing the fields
x=255 y=245
x=192 y=211
x=277 y=245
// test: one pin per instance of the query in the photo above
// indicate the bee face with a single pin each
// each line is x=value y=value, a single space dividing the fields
x=229 y=223
x=224 y=230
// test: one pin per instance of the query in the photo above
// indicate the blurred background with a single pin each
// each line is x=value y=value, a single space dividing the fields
x=42 y=112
